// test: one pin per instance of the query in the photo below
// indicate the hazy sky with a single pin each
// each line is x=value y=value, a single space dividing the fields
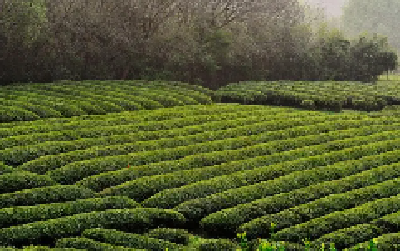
x=333 y=7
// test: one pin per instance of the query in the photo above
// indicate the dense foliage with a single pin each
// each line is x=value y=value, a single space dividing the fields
x=211 y=43
x=152 y=179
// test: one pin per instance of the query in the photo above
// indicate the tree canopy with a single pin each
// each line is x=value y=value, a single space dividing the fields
x=205 y=42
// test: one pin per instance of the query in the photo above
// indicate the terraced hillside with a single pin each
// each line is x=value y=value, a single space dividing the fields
x=328 y=95
x=155 y=179
x=75 y=98
x=224 y=168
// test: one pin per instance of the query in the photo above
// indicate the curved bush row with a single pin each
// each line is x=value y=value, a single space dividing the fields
x=152 y=140
x=14 y=181
x=89 y=244
x=188 y=91
x=77 y=94
x=150 y=185
x=196 y=209
x=112 y=178
x=364 y=213
x=86 y=148
x=105 y=131
x=84 y=105
x=184 y=97
x=165 y=98
x=245 y=176
x=76 y=171
x=180 y=236
x=26 y=214
x=5 y=169
x=346 y=237
x=129 y=220
x=11 y=113
x=126 y=99
x=120 y=238
x=60 y=103
x=139 y=116
x=182 y=84
x=140 y=189
x=250 y=214
x=41 y=195
x=50 y=162
x=325 y=205
x=217 y=244
x=159 y=84
x=120 y=99
x=75 y=108
x=41 y=111
x=97 y=131
x=66 y=112
x=200 y=96
x=389 y=241
x=333 y=95
x=124 y=118
x=79 y=170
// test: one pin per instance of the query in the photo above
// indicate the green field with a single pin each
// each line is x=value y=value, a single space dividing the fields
x=140 y=165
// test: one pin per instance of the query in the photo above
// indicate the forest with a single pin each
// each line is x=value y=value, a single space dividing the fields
x=205 y=42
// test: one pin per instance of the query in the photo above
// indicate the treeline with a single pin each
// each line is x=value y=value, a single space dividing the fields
x=205 y=42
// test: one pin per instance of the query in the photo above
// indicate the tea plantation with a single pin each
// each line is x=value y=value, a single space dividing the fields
x=140 y=165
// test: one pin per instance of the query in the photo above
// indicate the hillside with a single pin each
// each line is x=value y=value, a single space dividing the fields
x=153 y=165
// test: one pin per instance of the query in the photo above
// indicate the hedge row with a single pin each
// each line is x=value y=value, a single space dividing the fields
x=76 y=171
x=119 y=99
x=196 y=209
x=249 y=171
x=89 y=244
x=250 y=214
x=88 y=148
x=180 y=236
x=51 y=162
x=325 y=205
x=11 y=113
x=14 y=181
x=77 y=93
x=60 y=102
x=41 y=111
x=155 y=91
x=26 y=214
x=126 y=118
x=84 y=105
x=389 y=241
x=19 y=127
x=97 y=131
x=364 y=213
x=129 y=220
x=141 y=188
x=78 y=99
x=332 y=95
x=48 y=194
x=5 y=169
x=120 y=238
x=103 y=180
x=71 y=105
x=361 y=232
